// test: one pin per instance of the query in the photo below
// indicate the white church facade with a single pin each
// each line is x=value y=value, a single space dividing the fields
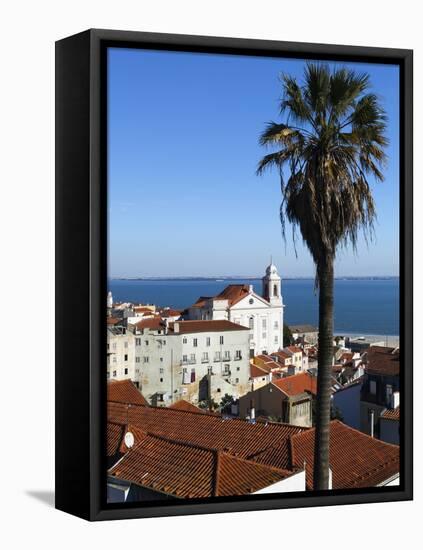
x=239 y=303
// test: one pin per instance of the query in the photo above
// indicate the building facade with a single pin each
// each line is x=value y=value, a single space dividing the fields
x=240 y=304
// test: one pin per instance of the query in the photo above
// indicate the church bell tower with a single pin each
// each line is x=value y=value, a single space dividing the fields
x=272 y=291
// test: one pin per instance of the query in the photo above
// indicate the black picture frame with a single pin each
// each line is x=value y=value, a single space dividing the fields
x=81 y=250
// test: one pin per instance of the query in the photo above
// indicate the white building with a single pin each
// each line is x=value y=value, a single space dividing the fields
x=263 y=315
x=191 y=360
x=120 y=354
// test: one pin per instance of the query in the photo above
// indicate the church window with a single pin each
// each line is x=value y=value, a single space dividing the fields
x=275 y=290
x=251 y=322
x=251 y=301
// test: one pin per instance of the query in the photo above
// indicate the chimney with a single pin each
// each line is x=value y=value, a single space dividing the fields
x=176 y=327
x=250 y=289
x=372 y=422
x=252 y=412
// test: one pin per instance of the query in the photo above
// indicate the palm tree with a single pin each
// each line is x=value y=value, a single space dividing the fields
x=331 y=141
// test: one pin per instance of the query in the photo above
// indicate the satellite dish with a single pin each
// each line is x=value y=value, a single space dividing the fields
x=129 y=439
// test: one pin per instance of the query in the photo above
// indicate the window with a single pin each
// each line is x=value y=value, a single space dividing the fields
x=220 y=340
x=264 y=335
x=146 y=359
x=125 y=357
x=208 y=341
x=114 y=373
x=195 y=342
x=227 y=369
x=251 y=301
x=192 y=375
x=227 y=355
x=137 y=341
x=264 y=324
x=164 y=342
x=238 y=368
x=161 y=379
x=217 y=356
x=236 y=380
x=276 y=325
x=146 y=342
x=161 y=359
x=137 y=359
x=205 y=357
x=238 y=355
x=114 y=345
x=276 y=340
x=114 y=359
x=108 y=347
x=192 y=358
x=275 y=290
x=184 y=340
x=126 y=345
x=126 y=371
x=185 y=359
x=251 y=323
x=373 y=387
x=161 y=371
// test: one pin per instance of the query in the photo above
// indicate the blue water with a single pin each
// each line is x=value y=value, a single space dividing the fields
x=365 y=306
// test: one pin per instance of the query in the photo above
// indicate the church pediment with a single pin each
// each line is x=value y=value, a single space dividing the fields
x=251 y=301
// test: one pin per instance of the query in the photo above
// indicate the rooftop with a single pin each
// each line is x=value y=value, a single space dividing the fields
x=124 y=391
x=391 y=414
x=190 y=327
x=186 y=470
x=383 y=360
x=192 y=439
x=183 y=405
x=298 y=383
x=356 y=459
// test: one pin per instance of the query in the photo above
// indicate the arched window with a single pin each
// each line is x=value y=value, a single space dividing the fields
x=275 y=290
x=251 y=322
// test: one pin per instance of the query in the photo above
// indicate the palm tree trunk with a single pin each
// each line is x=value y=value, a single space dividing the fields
x=324 y=375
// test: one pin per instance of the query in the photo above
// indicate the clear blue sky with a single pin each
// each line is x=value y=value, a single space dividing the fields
x=183 y=149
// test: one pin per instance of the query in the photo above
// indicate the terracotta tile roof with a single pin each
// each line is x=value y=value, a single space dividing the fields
x=201 y=302
x=346 y=356
x=383 y=360
x=298 y=383
x=356 y=459
x=113 y=320
x=143 y=309
x=124 y=391
x=266 y=362
x=183 y=405
x=281 y=356
x=115 y=433
x=391 y=414
x=190 y=327
x=233 y=293
x=169 y=312
x=154 y=323
x=235 y=436
x=184 y=470
x=258 y=372
x=294 y=349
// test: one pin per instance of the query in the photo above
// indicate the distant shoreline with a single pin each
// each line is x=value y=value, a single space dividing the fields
x=250 y=278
